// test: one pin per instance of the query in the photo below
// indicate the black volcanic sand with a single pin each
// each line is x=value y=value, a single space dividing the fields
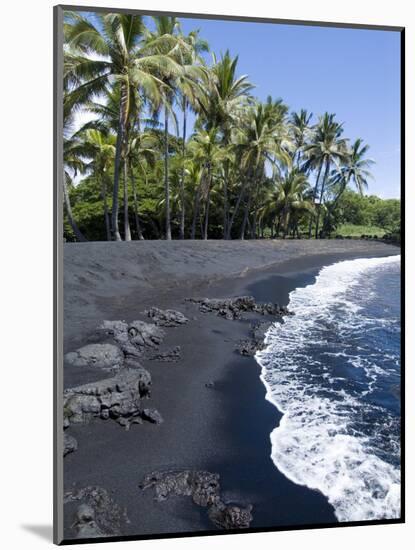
x=224 y=429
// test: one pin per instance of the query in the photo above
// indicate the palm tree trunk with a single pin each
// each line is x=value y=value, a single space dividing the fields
x=310 y=227
x=182 y=212
x=238 y=202
x=78 y=233
x=205 y=230
x=298 y=157
x=127 y=230
x=196 y=206
x=246 y=214
x=136 y=217
x=166 y=172
x=106 y=213
x=336 y=200
x=278 y=226
x=254 y=226
x=286 y=217
x=120 y=140
x=326 y=172
x=225 y=200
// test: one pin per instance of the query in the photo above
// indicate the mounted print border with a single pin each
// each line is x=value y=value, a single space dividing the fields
x=189 y=318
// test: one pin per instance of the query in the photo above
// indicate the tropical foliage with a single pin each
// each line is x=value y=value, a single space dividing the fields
x=177 y=146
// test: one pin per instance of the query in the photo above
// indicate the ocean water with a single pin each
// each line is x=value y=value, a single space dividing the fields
x=333 y=370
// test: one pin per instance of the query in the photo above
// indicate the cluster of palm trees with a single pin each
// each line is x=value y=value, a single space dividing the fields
x=251 y=165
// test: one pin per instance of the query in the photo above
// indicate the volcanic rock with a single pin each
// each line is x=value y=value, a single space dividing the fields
x=97 y=515
x=230 y=516
x=167 y=317
x=204 y=489
x=133 y=338
x=232 y=308
x=70 y=444
x=104 y=356
x=117 y=397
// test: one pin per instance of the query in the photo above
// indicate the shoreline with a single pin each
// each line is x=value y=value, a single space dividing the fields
x=270 y=396
x=224 y=429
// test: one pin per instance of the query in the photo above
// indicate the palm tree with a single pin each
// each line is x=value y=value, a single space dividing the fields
x=142 y=153
x=327 y=147
x=191 y=93
x=290 y=197
x=301 y=132
x=354 y=168
x=207 y=151
x=108 y=120
x=261 y=137
x=227 y=95
x=72 y=164
x=175 y=47
x=194 y=174
x=114 y=51
x=100 y=147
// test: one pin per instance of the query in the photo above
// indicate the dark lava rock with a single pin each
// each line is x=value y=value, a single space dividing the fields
x=85 y=523
x=250 y=346
x=247 y=347
x=166 y=317
x=70 y=444
x=97 y=514
x=114 y=398
x=170 y=355
x=232 y=308
x=204 y=489
x=202 y=486
x=210 y=384
x=133 y=338
x=104 y=356
x=152 y=415
x=230 y=516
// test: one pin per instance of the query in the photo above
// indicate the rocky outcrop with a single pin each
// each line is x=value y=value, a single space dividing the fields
x=166 y=317
x=152 y=415
x=118 y=398
x=230 y=308
x=133 y=338
x=233 y=308
x=230 y=516
x=70 y=444
x=97 y=514
x=204 y=489
x=255 y=343
x=105 y=356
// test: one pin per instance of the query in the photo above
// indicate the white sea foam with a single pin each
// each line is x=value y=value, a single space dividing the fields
x=320 y=441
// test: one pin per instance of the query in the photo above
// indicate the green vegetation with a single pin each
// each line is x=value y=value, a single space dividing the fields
x=356 y=215
x=247 y=169
x=348 y=230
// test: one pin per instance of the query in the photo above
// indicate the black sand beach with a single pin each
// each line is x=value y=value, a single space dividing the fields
x=223 y=429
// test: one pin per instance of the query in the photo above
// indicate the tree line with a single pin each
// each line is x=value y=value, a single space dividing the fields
x=247 y=169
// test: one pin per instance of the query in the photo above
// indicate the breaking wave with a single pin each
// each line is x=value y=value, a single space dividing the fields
x=333 y=370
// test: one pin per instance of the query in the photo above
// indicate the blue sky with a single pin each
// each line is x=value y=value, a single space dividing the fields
x=354 y=73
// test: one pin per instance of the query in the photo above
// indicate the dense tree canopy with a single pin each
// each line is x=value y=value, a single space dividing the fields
x=244 y=169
